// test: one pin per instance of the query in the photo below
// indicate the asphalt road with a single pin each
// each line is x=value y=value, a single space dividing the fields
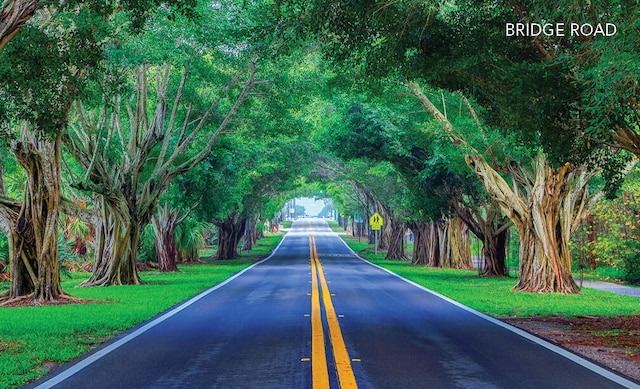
x=256 y=332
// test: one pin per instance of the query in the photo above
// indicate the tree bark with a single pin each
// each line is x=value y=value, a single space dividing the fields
x=189 y=255
x=14 y=16
x=250 y=236
x=31 y=226
x=34 y=263
x=492 y=229
x=164 y=223
x=454 y=244
x=592 y=236
x=230 y=232
x=425 y=244
x=166 y=251
x=494 y=250
x=546 y=208
x=552 y=206
x=395 y=249
x=116 y=249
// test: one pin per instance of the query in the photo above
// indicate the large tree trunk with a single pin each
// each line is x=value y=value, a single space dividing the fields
x=425 y=244
x=164 y=223
x=250 y=236
x=189 y=255
x=492 y=229
x=546 y=208
x=34 y=265
x=116 y=249
x=229 y=234
x=395 y=248
x=166 y=251
x=553 y=205
x=494 y=250
x=592 y=236
x=455 y=246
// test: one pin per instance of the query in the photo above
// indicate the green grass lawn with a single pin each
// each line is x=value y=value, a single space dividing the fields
x=32 y=337
x=494 y=295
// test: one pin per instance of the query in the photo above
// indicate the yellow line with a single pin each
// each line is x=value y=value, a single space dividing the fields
x=319 y=371
x=346 y=378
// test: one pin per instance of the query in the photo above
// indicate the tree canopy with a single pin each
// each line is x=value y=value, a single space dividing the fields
x=432 y=113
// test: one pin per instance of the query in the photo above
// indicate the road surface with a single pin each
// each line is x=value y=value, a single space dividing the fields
x=316 y=316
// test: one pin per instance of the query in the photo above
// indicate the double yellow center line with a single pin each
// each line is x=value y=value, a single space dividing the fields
x=319 y=368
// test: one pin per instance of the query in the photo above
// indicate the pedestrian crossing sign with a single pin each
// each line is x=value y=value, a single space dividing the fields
x=376 y=221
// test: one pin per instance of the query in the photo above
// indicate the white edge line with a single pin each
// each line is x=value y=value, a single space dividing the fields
x=559 y=350
x=101 y=353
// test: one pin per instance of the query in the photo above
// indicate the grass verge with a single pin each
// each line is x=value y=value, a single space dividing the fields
x=34 y=339
x=494 y=295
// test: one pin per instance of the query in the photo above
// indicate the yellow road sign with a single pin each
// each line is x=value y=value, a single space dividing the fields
x=376 y=221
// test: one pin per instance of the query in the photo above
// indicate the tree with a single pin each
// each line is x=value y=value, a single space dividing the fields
x=164 y=222
x=115 y=150
x=487 y=222
x=33 y=114
x=539 y=89
x=380 y=134
x=43 y=70
x=363 y=138
x=613 y=233
x=14 y=14
x=266 y=155
x=546 y=205
x=379 y=188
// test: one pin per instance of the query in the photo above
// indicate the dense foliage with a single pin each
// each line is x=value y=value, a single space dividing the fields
x=329 y=102
x=616 y=231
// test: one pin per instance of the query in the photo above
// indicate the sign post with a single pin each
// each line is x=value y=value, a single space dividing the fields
x=376 y=221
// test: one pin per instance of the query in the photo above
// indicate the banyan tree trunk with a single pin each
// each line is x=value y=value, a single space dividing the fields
x=492 y=229
x=164 y=228
x=592 y=236
x=189 y=255
x=384 y=234
x=34 y=266
x=116 y=250
x=545 y=258
x=432 y=244
x=395 y=249
x=555 y=203
x=455 y=246
x=166 y=252
x=425 y=244
x=229 y=235
x=250 y=237
x=14 y=16
x=419 y=256
x=545 y=204
x=495 y=250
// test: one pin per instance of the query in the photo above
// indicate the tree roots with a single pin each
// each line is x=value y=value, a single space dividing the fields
x=28 y=301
